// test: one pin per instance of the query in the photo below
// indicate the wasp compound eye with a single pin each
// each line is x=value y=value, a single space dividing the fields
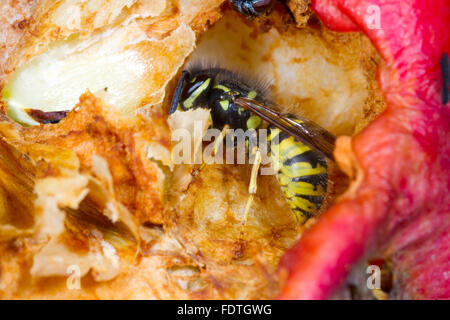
x=262 y=6
x=252 y=8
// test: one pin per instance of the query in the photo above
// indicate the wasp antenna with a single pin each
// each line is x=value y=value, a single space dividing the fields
x=178 y=90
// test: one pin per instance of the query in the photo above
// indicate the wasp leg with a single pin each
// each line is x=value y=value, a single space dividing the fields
x=217 y=143
x=253 y=182
x=178 y=90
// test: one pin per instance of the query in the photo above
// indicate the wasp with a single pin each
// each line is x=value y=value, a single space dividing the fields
x=298 y=147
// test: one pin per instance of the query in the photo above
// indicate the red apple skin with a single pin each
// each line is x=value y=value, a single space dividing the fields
x=401 y=209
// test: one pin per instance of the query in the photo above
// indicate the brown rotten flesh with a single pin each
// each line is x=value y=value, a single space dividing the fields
x=98 y=190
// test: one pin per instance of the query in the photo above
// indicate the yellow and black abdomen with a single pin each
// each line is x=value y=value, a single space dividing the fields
x=301 y=173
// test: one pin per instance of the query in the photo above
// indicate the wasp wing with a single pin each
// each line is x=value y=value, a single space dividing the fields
x=306 y=131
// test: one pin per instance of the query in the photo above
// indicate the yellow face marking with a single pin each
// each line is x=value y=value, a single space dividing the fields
x=252 y=94
x=224 y=104
x=189 y=102
x=253 y=122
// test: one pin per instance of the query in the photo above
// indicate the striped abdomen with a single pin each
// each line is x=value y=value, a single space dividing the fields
x=301 y=173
